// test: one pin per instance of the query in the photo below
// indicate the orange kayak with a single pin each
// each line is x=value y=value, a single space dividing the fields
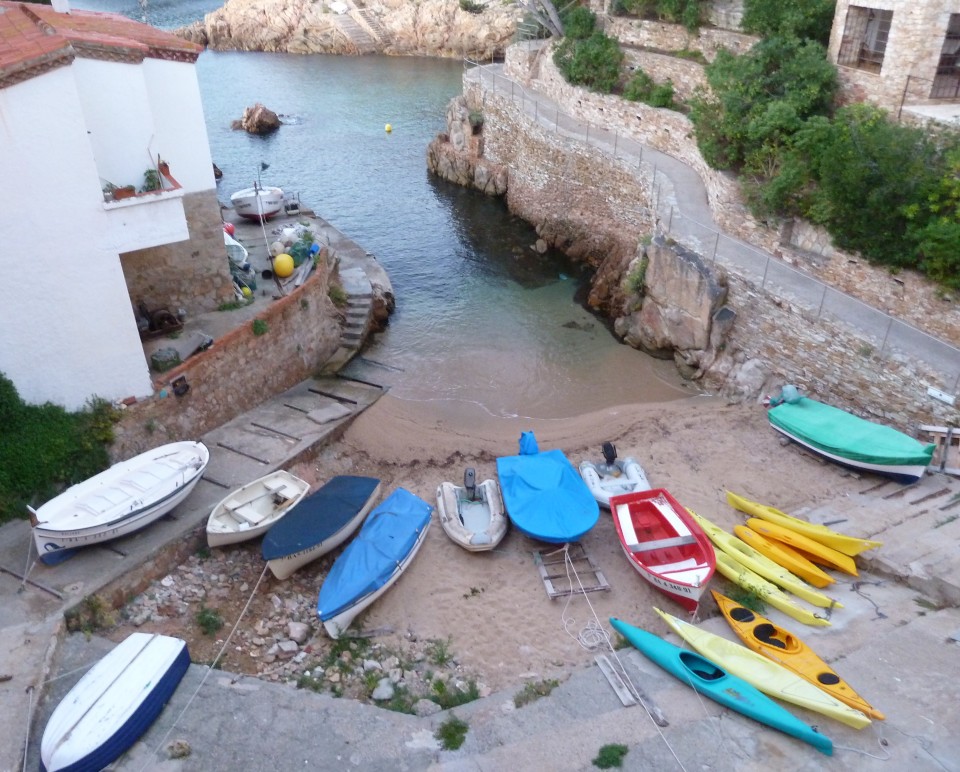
x=813 y=550
x=781 y=646
x=789 y=558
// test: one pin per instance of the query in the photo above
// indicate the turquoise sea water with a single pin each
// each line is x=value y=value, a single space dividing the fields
x=481 y=319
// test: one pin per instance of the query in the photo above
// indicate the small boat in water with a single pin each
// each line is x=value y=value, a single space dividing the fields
x=472 y=515
x=386 y=545
x=258 y=203
x=249 y=512
x=664 y=544
x=613 y=476
x=711 y=680
x=120 y=500
x=114 y=703
x=849 y=440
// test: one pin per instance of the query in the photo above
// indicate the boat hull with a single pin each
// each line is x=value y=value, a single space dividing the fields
x=764 y=674
x=477 y=525
x=251 y=510
x=664 y=544
x=120 y=500
x=708 y=679
x=790 y=559
x=616 y=479
x=320 y=523
x=762 y=636
x=386 y=545
x=841 y=542
x=257 y=203
x=113 y=704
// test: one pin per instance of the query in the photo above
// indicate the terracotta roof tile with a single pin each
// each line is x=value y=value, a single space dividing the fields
x=35 y=38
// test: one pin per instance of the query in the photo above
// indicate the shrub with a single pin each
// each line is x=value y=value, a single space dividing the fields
x=260 y=327
x=811 y=20
x=208 y=620
x=451 y=733
x=534 y=691
x=471 y=7
x=338 y=295
x=593 y=63
x=610 y=756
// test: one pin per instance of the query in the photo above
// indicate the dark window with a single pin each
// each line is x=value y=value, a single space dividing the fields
x=946 y=84
x=865 y=38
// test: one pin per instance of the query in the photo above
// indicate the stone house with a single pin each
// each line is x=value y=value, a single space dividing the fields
x=91 y=103
x=903 y=55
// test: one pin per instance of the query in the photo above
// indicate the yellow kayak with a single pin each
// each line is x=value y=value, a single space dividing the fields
x=781 y=646
x=810 y=549
x=841 y=542
x=764 y=674
x=762 y=565
x=790 y=559
x=740 y=575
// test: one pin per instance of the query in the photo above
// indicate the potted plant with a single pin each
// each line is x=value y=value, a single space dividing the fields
x=151 y=180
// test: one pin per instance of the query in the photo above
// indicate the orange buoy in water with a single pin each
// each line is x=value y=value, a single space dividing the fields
x=283 y=265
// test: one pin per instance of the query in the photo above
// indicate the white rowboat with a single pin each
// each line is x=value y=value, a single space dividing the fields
x=250 y=511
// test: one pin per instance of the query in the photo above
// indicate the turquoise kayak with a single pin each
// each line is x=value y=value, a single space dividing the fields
x=712 y=681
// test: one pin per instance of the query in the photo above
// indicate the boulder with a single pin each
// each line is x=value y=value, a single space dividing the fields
x=258 y=120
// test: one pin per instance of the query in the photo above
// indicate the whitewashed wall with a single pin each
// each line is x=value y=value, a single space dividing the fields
x=68 y=331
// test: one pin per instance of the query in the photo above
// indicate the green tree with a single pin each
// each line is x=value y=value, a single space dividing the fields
x=579 y=22
x=805 y=19
x=759 y=99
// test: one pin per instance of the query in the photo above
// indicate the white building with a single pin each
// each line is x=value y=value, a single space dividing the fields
x=89 y=100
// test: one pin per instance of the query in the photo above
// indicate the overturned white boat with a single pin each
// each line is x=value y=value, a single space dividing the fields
x=258 y=203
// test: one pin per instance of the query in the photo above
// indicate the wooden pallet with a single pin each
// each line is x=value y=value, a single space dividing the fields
x=581 y=577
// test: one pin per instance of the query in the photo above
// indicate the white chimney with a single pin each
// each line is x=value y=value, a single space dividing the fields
x=61 y=6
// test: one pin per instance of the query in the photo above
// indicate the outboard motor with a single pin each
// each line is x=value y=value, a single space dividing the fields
x=609 y=453
x=470 y=483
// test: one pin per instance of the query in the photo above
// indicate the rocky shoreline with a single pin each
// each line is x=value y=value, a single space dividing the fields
x=439 y=28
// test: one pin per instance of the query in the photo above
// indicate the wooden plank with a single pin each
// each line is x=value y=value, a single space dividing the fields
x=613 y=676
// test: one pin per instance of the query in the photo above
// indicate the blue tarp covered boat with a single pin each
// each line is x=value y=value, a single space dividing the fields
x=544 y=494
x=374 y=560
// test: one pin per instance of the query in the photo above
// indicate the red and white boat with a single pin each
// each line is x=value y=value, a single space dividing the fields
x=664 y=544
x=258 y=203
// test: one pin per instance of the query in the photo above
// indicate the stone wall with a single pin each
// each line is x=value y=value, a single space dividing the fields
x=659 y=36
x=686 y=76
x=193 y=275
x=239 y=371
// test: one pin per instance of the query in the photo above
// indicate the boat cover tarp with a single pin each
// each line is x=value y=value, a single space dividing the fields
x=843 y=434
x=319 y=516
x=385 y=539
x=544 y=495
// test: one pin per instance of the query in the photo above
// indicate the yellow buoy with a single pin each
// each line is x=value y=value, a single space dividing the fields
x=388 y=128
x=247 y=292
x=283 y=265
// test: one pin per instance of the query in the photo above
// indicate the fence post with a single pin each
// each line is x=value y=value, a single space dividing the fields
x=886 y=335
x=766 y=267
x=716 y=243
x=823 y=297
x=670 y=221
x=616 y=136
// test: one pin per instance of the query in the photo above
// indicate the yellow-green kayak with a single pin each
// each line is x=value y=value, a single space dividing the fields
x=762 y=565
x=742 y=576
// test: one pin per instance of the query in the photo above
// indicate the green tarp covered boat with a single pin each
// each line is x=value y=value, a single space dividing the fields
x=851 y=441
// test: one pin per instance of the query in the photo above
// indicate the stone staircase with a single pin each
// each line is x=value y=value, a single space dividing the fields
x=356 y=34
x=358 y=312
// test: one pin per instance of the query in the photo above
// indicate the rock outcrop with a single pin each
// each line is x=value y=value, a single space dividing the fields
x=682 y=314
x=399 y=27
x=457 y=155
x=258 y=120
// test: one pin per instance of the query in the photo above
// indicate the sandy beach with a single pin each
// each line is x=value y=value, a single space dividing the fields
x=492 y=607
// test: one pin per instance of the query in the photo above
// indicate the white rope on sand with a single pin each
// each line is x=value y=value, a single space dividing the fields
x=210 y=668
x=594 y=636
